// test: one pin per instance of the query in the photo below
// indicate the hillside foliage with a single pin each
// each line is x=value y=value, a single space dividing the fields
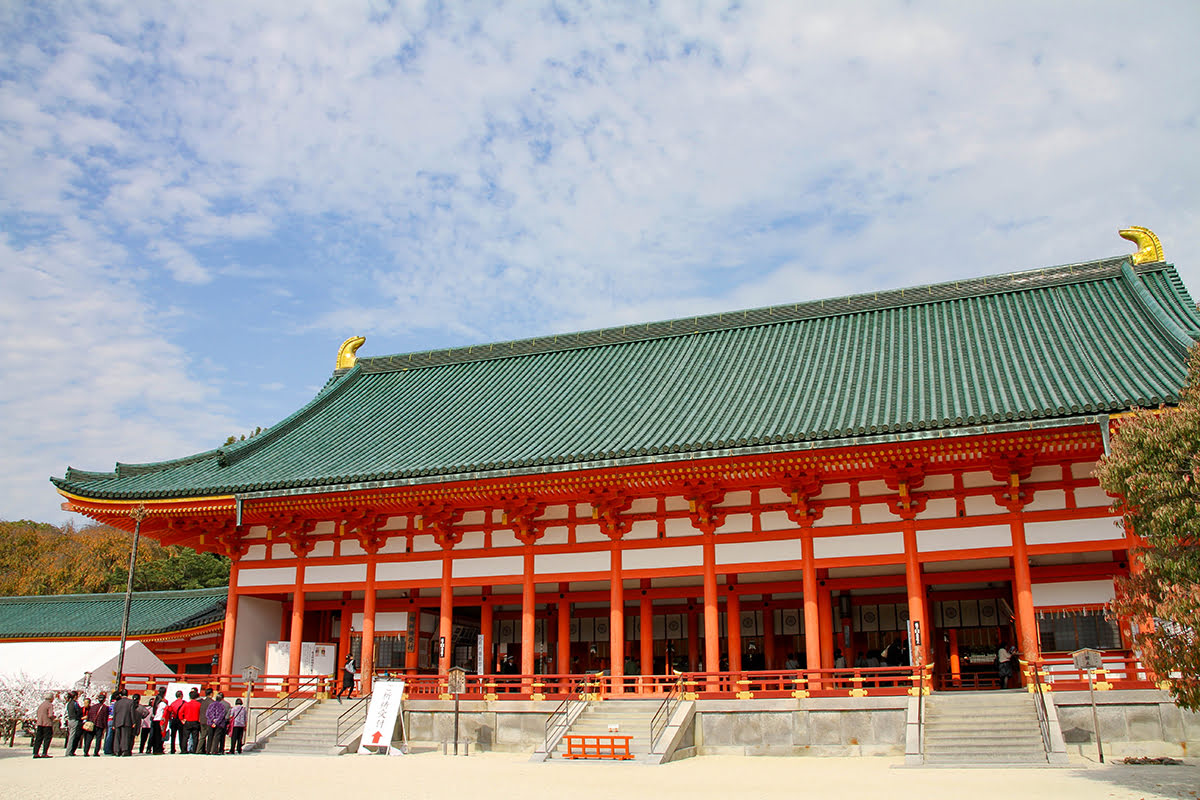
x=40 y=559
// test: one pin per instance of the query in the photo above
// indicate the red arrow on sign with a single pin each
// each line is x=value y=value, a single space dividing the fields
x=375 y=738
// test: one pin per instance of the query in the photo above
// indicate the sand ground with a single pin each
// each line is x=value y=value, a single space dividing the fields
x=501 y=776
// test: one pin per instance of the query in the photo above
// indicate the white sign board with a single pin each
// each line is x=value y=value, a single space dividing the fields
x=316 y=658
x=173 y=687
x=385 y=705
x=1088 y=658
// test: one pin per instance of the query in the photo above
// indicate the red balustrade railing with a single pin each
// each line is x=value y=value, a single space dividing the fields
x=1120 y=671
x=844 y=682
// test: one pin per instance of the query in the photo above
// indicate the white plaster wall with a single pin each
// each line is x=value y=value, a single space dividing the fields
x=870 y=544
x=396 y=544
x=737 y=523
x=834 y=491
x=975 y=479
x=408 y=570
x=505 y=538
x=964 y=538
x=351 y=547
x=257 y=532
x=589 y=533
x=474 y=518
x=663 y=557
x=323 y=549
x=773 y=496
x=643 y=505
x=1092 y=497
x=471 y=540
x=556 y=512
x=555 y=535
x=281 y=551
x=1085 y=469
x=775 y=521
x=676 y=503
x=1073 y=530
x=488 y=567
x=424 y=543
x=643 y=529
x=936 y=483
x=258 y=622
x=875 y=512
x=339 y=573
x=552 y=563
x=255 y=552
x=274 y=576
x=873 y=488
x=736 y=499
x=941 y=508
x=1073 y=593
x=838 y=515
x=982 y=504
x=759 y=552
x=679 y=526
x=384 y=621
x=1047 y=472
x=1048 y=500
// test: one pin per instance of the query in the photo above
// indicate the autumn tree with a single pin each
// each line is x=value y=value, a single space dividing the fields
x=1154 y=466
x=40 y=559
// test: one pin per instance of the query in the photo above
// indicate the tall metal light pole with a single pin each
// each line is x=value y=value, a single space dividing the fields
x=138 y=513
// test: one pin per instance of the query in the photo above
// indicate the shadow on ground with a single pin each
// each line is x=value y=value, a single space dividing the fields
x=1179 y=783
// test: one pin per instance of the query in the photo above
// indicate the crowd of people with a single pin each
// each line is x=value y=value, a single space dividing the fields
x=112 y=724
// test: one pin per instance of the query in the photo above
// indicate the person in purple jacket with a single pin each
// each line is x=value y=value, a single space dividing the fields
x=216 y=717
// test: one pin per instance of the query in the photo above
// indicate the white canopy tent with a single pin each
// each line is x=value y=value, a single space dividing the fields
x=67 y=665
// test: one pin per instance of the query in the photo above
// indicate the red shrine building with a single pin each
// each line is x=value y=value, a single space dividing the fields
x=794 y=486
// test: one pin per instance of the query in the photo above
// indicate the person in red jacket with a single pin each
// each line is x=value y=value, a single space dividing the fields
x=174 y=724
x=189 y=715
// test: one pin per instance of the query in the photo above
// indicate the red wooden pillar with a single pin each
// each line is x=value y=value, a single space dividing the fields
x=295 y=639
x=825 y=609
x=915 y=588
x=486 y=624
x=693 y=635
x=1023 y=590
x=812 y=614
x=733 y=630
x=445 y=643
x=528 y=615
x=768 y=634
x=616 y=619
x=564 y=633
x=344 y=621
x=646 y=624
x=367 y=654
x=229 y=637
x=712 y=625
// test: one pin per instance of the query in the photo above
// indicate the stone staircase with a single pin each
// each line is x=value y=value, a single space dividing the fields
x=995 y=728
x=632 y=718
x=312 y=733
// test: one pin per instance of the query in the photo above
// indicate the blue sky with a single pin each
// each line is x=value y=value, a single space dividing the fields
x=200 y=201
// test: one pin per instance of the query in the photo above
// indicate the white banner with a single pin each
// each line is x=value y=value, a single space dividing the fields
x=385 y=705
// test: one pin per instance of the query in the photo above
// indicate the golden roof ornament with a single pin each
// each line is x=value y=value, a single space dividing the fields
x=1149 y=247
x=345 y=357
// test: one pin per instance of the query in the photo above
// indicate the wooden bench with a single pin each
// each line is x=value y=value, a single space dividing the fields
x=604 y=745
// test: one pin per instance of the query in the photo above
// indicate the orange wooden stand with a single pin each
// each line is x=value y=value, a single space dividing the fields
x=609 y=746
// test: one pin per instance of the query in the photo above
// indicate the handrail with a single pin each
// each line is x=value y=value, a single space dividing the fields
x=283 y=705
x=563 y=709
x=359 y=711
x=666 y=710
x=1039 y=689
x=921 y=669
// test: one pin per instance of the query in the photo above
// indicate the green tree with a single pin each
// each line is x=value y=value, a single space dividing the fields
x=40 y=559
x=1154 y=466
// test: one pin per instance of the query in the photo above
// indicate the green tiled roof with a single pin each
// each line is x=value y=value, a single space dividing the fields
x=91 y=615
x=1050 y=345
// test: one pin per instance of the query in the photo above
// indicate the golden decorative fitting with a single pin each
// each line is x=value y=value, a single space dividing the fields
x=1149 y=247
x=863 y=692
x=345 y=356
